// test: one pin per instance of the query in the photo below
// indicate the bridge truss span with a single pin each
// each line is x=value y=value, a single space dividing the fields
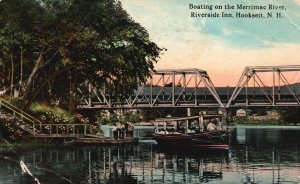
x=165 y=88
x=267 y=86
x=258 y=86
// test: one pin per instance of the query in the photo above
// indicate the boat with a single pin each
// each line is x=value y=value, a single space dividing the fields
x=196 y=139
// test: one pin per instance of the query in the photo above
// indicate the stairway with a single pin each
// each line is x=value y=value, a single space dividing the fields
x=15 y=116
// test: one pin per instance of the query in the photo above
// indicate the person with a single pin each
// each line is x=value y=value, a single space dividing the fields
x=126 y=127
x=211 y=126
x=155 y=127
x=205 y=126
x=130 y=130
x=119 y=129
x=175 y=126
x=122 y=131
x=189 y=131
x=115 y=132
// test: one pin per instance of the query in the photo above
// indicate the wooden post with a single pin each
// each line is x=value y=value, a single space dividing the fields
x=189 y=112
x=56 y=129
x=219 y=124
x=201 y=123
x=186 y=125
x=85 y=129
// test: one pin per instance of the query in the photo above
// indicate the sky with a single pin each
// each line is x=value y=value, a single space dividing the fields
x=221 y=46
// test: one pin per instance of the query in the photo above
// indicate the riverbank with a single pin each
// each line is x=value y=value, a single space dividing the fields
x=26 y=143
x=263 y=122
x=290 y=127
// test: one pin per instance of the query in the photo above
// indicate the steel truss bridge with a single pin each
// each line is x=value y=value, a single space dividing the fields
x=258 y=86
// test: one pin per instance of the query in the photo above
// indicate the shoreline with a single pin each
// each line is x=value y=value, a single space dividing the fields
x=269 y=126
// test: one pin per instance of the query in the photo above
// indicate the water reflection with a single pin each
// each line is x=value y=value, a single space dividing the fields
x=248 y=162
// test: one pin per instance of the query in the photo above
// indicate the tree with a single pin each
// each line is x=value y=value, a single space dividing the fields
x=76 y=42
x=15 y=36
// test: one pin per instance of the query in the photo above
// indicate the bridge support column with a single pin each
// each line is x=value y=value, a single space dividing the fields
x=189 y=112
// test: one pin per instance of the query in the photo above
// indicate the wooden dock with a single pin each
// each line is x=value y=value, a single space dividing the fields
x=104 y=141
x=68 y=133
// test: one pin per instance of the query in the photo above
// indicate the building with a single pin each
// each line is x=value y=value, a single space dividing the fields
x=243 y=112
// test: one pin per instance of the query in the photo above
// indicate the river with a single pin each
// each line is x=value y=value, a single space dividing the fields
x=256 y=155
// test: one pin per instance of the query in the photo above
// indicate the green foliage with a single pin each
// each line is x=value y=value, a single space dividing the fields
x=9 y=132
x=260 y=111
x=52 y=114
x=244 y=121
x=291 y=115
x=150 y=114
x=131 y=117
x=113 y=118
x=14 y=101
x=78 y=41
x=102 y=119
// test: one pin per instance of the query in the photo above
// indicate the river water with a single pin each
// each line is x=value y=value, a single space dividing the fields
x=256 y=155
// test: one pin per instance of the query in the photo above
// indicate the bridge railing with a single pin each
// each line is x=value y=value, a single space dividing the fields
x=67 y=129
x=16 y=111
x=41 y=128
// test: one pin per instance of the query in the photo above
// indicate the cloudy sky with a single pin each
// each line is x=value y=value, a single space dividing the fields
x=221 y=46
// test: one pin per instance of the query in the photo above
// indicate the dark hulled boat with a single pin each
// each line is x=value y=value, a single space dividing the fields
x=216 y=139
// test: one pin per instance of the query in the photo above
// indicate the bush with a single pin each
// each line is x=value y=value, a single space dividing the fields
x=103 y=120
x=130 y=117
x=52 y=114
x=240 y=121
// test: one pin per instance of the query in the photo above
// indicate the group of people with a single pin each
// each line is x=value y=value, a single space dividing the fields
x=121 y=130
x=210 y=125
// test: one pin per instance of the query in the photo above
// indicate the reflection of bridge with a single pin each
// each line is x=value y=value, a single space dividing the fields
x=143 y=164
x=271 y=86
